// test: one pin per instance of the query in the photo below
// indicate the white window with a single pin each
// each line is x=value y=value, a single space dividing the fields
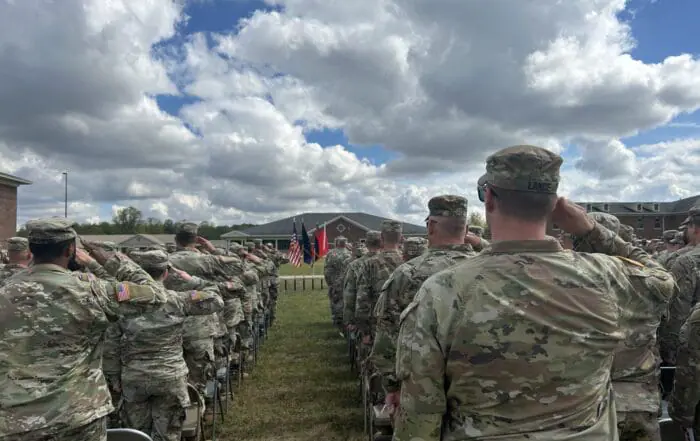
x=656 y=207
x=606 y=207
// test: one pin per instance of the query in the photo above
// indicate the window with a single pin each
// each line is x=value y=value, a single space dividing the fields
x=657 y=223
x=640 y=223
x=606 y=207
x=340 y=228
x=588 y=207
x=639 y=207
x=656 y=207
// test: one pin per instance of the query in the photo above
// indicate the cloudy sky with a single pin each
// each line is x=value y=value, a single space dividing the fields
x=246 y=110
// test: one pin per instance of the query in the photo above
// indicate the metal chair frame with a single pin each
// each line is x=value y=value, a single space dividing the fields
x=127 y=435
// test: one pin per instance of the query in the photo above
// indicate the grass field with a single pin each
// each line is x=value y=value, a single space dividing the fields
x=303 y=270
x=302 y=388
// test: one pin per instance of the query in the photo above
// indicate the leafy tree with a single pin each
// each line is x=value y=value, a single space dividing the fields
x=127 y=220
x=475 y=218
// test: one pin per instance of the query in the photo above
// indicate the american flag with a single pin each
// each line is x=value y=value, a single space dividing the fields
x=294 y=253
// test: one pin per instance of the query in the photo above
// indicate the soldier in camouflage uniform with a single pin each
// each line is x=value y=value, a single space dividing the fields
x=413 y=247
x=18 y=255
x=154 y=372
x=373 y=242
x=635 y=378
x=446 y=222
x=336 y=264
x=200 y=331
x=51 y=382
x=518 y=341
x=684 y=267
x=668 y=237
x=371 y=277
x=685 y=246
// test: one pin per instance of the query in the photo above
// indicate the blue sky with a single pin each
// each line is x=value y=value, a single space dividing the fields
x=661 y=28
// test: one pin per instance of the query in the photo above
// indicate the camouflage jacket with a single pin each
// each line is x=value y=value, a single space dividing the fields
x=519 y=342
x=212 y=269
x=53 y=328
x=334 y=270
x=373 y=273
x=350 y=287
x=397 y=293
x=152 y=342
x=685 y=270
x=10 y=270
x=672 y=257
x=686 y=386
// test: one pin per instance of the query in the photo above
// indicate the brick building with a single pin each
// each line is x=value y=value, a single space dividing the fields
x=649 y=219
x=8 y=204
x=353 y=226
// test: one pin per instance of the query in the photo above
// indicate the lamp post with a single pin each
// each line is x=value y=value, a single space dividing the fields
x=65 y=200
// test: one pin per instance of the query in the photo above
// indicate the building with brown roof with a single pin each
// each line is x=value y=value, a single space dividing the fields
x=649 y=219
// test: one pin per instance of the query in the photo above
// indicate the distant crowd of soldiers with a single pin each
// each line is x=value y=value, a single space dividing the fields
x=93 y=338
x=527 y=337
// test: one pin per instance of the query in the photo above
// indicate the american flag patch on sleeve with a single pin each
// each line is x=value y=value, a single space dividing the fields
x=122 y=292
x=195 y=296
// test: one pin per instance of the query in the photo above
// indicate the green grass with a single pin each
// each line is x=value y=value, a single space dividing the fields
x=304 y=270
x=302 y=388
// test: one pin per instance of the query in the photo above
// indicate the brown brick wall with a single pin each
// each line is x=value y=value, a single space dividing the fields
x=8 y=208
x=350 y=231
x=646 y=227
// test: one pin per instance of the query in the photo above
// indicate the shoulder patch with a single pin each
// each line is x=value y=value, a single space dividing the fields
x=195 y=296
x=85 y=277
x=630 y=261
x=123 y=292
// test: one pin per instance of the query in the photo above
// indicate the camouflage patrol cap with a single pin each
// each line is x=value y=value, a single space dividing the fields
x=669 y=235
x=250 y=245
x=17 y=244
x=373 y=238
x=391 y=226
x=447 y=205
x=257 y=241
x=678 y=239
x=607 y=220
x=50 y=230
x=340 y=240
x=414 y=246
x=235 y=246
x=108 y=246
x=156 y=259
x=523 y=168
x=187 y=227
x=477 y=230
x=269 y=245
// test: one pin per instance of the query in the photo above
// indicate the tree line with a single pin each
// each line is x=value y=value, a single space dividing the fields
x=130 y=220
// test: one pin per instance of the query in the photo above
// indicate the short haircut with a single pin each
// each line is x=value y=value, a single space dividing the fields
x=49 y=252
x=392 y=237
x=451 y=226
x=156 y=273
x=524 y=205
x=184 y=238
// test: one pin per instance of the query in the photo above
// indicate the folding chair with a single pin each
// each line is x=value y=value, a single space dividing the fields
x=193 y=426
x=127 y=435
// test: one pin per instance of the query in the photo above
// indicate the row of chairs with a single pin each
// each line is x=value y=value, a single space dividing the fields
x=377 y=422
x=231 y=367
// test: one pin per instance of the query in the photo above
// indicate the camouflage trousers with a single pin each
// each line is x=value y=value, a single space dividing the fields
x=274 y=292
x=638 y=426
x=199 y=357
x=335 y=297
x=245 y=331
x=114 y=386
x=94 y=431
x=156 y=406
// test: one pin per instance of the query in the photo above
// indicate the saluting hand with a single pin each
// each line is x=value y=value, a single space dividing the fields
x=571 y=218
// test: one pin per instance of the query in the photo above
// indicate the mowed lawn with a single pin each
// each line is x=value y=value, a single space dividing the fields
x=304 y=270
x=302 y=388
